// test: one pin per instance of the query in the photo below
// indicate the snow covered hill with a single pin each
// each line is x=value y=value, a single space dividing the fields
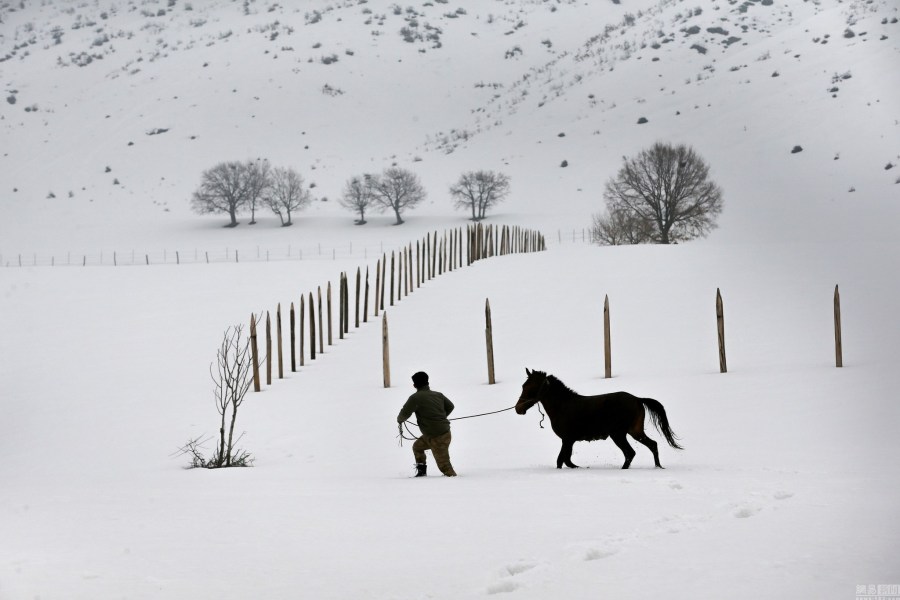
x=113 y=110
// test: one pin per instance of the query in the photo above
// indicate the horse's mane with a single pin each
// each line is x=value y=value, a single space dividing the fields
x=560 y=388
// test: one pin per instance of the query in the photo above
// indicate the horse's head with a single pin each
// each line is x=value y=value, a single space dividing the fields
x=531 y=390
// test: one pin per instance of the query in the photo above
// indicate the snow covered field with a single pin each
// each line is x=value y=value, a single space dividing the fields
x=788 y=485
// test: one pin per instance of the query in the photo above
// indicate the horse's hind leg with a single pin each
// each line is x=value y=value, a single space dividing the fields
x=565 y=455
x=622 y=442
x=651 y=444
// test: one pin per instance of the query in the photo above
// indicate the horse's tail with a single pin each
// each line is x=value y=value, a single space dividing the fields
x=660 y=421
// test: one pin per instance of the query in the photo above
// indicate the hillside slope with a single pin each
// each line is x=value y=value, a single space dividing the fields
x=112 y=112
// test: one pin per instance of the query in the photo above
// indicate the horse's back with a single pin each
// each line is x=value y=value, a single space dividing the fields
x=597 y=417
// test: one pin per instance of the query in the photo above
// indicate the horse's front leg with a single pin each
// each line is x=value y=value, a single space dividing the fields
x=565 y=455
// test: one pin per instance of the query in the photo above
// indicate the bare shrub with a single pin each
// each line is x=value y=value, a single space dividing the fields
x=232 y=375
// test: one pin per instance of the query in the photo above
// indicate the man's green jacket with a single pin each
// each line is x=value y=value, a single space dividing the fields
x=431 y=410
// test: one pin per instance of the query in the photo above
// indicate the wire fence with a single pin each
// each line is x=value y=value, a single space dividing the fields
x=195 y=256
x=290 y=252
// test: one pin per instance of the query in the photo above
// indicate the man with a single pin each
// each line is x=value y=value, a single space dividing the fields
x=431 y=409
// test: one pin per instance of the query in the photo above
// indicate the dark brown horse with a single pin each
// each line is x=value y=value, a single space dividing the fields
x=587 y=418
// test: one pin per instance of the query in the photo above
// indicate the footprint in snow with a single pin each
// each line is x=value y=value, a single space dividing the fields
x=599 y=553
x=520 y=567
x=781 y=495
x=503 y=587
x=746 y=512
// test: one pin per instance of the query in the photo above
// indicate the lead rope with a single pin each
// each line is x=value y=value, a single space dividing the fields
x=401 y=435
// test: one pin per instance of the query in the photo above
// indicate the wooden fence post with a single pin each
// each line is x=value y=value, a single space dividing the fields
x=366 y=299
x=405 y=275
x=385 y=351
x=383 y=280
x=302 y=331
x=293 y=339
x=328 y=301
x=346 y=298
x=409 y=267
x=312 y=328
x=254 y=352
x=432 y=273
x=377 y=285
x=607 y=341
x=720 y=323
x=452 y=251
x=278 y=340
x=268 y=349
x=489 y=338
x=358 y=281
x=838 y=345
x=392 y=278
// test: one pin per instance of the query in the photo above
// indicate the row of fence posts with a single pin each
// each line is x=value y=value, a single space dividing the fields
x=720 y=327
x=410 y=268
x=427 y=266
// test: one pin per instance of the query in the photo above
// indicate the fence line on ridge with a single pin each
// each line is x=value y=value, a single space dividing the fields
x=240 y=254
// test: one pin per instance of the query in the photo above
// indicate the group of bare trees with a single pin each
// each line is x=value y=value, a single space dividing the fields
x=232 y=187
x=478 y=191
x=663 y=195
x=398 y=189
x=394 y=189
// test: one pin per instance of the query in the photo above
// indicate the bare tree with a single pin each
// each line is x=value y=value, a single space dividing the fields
x=229 y=187
x=668 y=188
x=223 y=188
x=357 y=196
x=397 y=189
x=285 y=194
x=232 y=378
x=479 y=191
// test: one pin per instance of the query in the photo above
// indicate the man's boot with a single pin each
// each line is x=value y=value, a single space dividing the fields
x=420 y=469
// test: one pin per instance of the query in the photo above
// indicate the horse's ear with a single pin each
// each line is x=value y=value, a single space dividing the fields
x=528 y=371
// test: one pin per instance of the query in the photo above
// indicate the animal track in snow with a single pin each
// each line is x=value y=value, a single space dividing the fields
x=507 y=585
x=520 y=567
x=747 y=511
x=503 y=587
x=599 y=553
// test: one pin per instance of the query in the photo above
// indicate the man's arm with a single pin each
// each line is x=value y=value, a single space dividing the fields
x=407 y=410
x=448 y=406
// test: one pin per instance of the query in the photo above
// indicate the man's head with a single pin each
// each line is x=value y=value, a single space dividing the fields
x=420 y=379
